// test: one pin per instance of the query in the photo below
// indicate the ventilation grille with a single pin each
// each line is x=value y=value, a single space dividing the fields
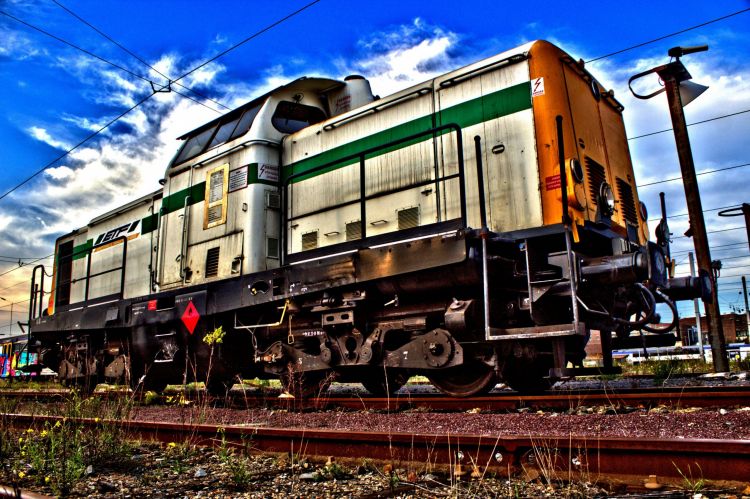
x=596 y=178
x=310 y=240
x=273 y=200
x=408 y=218
x=212 y=262
x=215 y=213
x=627 y=201
x=353 y=231
x=272 y=247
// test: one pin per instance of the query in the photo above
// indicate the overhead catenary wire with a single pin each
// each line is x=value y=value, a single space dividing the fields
x=707 y=210
x=254 y=35
x=153 y=84
x=668 y=36
x=690 y=124
x=25 y=266
x=170 y=80
x=89 y=137
x=707 y=172
x=14 y=285
x=712 y=248
x=79 y=144
x=713 y=231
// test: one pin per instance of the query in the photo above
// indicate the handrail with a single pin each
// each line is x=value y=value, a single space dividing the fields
x=36 y=293
x=471 y=73
x=378 y=107
x=361 y=157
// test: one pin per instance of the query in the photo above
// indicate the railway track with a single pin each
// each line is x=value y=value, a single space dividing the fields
x=611 y=457
x=723 y=396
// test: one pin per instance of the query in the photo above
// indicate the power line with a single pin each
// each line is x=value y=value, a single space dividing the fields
x=16 y=258
x=713 y=231
x=14 y=285
x=24 y=266
x=135 y=56
x=91 y=54
x=668 y=36
x=14 y=303
x=722 y=259
x=121 y=68
x=701 y=173
x=254 y=35
x=712 y=247
x=153 y=92
x=89 y=137
x=691 y=124
x=654 y=219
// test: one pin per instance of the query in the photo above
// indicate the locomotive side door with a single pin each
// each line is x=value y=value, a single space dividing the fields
x=454 y=104
x=175 y=213
x=494 y=104
x=509 y=149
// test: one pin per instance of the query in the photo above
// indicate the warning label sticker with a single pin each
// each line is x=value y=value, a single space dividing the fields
x=552 y=182
x=537 y=87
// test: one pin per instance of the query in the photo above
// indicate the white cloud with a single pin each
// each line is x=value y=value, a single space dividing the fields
x=404 y=56
x=42 y=135
x=16 y=45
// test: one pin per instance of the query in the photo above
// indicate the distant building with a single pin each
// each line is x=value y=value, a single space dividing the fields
x=734 y=325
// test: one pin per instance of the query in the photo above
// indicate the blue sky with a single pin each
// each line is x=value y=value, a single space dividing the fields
x=54 y=95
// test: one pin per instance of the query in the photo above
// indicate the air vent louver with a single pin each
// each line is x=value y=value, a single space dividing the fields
x=596 y=176
x=408 y=218
x=627 y=201
x=353 y=231
x=310 y=240
x=212 y=262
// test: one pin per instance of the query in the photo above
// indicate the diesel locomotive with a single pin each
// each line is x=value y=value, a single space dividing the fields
x=472 y=229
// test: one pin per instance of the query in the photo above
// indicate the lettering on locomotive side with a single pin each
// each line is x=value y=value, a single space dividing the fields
x=113 y=234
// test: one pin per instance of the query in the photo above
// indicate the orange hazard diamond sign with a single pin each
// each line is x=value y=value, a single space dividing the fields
x=190 y=317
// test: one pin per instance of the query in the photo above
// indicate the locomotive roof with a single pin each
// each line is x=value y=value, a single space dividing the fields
x=320 y=85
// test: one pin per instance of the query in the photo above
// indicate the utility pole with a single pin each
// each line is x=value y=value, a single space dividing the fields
x=747 y=310
x=696 y=302
x=673 y=74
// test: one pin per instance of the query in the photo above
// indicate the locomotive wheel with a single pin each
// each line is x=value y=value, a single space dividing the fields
x=306 y=384
x=464 y=380
x=382 y=383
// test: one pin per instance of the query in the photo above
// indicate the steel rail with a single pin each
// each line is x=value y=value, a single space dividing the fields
x=717 y=459
x=722 y=396
x=714 y=397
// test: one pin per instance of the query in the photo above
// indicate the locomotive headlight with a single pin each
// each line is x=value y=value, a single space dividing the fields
x=606 y=200
x=642 y=211
x=576 y=170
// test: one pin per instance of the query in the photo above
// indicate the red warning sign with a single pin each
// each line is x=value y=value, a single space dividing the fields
x=552 y=182
x=190 y=317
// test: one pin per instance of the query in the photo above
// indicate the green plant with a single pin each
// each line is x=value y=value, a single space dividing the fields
x=55 y=455
x=740 y=364
x=692 y=483
x=238 y=467
x=179 y=455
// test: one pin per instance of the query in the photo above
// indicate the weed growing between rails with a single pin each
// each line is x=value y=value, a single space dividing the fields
x=692 y=483
x=236 y=462
x=569 y=475
x=58 y=455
